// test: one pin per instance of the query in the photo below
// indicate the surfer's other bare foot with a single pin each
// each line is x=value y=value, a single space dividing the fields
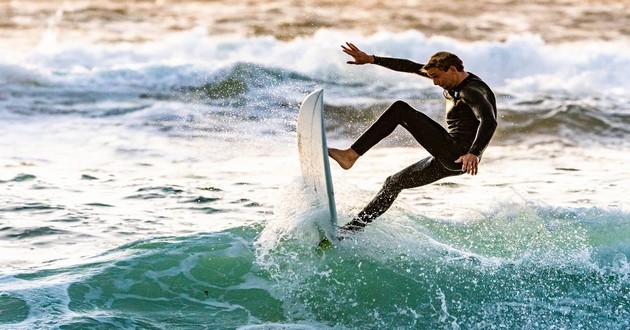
x=346 y=158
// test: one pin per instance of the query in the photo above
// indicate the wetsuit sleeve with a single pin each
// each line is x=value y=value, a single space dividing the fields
x=401 y=65
x=484 y=110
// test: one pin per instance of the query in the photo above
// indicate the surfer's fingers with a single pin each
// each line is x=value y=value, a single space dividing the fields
x=353 y=47
x=354 y=55
x=352 y=52
x=470 y=169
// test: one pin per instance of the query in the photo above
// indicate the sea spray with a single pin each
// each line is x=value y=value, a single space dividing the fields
x=525 y=260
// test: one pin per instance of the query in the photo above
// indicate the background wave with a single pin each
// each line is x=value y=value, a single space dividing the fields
x=198 y=84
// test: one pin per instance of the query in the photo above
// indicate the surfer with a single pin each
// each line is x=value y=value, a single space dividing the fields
x=470 y=120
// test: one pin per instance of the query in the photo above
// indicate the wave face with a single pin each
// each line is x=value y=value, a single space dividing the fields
x=195 y=84
x=521 y=266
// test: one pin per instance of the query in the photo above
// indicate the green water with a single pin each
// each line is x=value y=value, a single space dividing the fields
x=520 y=269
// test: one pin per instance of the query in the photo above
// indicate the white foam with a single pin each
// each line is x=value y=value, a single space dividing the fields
x=521 y=64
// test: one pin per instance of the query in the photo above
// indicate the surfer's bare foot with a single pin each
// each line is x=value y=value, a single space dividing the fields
x=346 y=158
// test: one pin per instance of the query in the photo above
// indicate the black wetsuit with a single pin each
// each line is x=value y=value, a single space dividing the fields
x=471 y=121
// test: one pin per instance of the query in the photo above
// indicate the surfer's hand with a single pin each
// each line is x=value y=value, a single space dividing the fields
x=469 y=162
x=359 y=56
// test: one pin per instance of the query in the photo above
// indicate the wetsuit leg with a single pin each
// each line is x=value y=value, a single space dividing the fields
x=419 y=174
x=433 y=137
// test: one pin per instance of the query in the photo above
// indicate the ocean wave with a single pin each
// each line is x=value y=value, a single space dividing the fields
x=521 y=64
x=572 y=121
x=203 y=84
x=521 y=266
x=240 y=78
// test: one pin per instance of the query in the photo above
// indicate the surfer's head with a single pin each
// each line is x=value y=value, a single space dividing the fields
x=445 y=69
x=443 y=61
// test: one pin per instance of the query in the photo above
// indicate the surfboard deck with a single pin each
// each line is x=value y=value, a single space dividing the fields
x=313 y=155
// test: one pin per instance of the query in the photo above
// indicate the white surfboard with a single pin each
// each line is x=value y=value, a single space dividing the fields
x=313 y=151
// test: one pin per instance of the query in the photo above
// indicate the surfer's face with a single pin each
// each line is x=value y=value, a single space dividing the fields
x=445 y=79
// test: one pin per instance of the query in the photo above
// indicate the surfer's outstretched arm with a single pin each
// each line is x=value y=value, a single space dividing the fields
x=396 y=64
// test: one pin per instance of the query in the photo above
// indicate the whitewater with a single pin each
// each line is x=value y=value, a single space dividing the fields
x=149 y=176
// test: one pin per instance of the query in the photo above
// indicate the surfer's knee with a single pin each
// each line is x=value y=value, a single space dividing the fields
x=400 y=105
x=401 y=109
x=392 y=184
x=397 y=107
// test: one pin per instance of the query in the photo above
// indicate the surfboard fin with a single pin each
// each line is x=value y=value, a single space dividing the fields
x=325 y=244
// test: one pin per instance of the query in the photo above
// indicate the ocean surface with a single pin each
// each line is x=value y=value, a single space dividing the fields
x=149 y=176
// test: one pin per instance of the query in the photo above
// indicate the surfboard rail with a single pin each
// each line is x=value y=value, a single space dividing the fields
x=313 y=152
